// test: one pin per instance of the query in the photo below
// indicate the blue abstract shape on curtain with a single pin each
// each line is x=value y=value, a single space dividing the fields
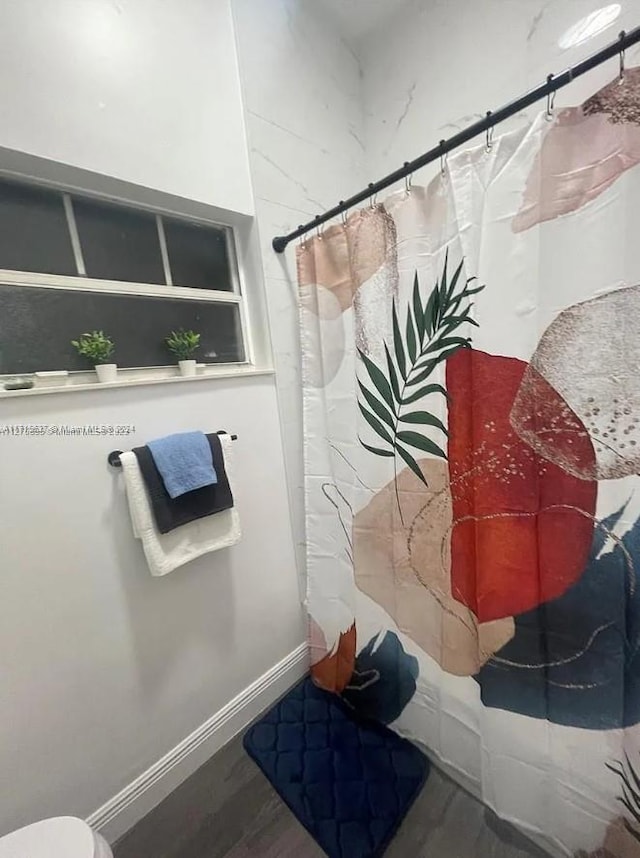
x=383 y=681
x=574 y=660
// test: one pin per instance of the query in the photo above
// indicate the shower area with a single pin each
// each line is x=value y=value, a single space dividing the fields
x=471 y=432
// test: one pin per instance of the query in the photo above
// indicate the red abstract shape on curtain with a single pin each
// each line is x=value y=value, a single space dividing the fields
x=333 y=672
x=522 y=526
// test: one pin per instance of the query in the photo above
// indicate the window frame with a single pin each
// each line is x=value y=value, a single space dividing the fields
x=236 y=296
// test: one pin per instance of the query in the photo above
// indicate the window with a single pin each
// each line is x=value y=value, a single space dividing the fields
x=70 y=264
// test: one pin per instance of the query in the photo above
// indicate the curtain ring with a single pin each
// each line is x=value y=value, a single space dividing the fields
x=443 y=160
x=621 y=74
x=489 y=143
x=551 y=100
x=407 y=180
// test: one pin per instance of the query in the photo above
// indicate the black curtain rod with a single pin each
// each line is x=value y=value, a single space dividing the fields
x=552 y=84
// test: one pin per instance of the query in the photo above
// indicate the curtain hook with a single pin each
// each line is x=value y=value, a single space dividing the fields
x=443 y=160
x=407 y=179
x=489 y=142
x=318 y=233
x=343 y=214
x=302 y=241
x=372 y=198
x=621 y=75
x=551 y=100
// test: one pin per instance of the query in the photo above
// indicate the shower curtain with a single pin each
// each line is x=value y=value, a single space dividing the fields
x=471 y=375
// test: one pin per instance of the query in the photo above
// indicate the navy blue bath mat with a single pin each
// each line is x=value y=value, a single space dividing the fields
x=348 y=782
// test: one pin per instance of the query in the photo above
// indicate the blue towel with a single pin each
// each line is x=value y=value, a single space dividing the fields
x=184 y=461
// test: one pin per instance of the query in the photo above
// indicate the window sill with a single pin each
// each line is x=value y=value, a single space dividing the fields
x=79 y=381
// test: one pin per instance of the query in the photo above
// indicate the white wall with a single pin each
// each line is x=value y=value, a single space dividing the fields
x=103 y=668
x=303 y=103
x=142 y=90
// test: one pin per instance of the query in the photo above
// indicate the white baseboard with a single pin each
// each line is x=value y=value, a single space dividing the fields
x=136 y=800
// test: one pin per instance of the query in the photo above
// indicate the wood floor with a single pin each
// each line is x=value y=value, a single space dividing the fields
x=228 y=809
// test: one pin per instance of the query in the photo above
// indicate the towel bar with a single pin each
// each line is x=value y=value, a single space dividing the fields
x=114 y=456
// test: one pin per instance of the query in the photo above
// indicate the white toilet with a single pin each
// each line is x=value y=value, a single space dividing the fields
x=60 y=837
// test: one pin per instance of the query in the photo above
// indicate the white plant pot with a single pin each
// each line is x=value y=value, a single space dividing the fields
x=107 y=372
x=187 y=368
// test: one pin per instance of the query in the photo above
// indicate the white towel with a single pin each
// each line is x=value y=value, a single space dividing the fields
x=166 y=551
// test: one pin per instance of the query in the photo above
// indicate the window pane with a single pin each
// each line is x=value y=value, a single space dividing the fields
x=118 y=243
x=33 y=231
x=198 y=255
x=138 y=325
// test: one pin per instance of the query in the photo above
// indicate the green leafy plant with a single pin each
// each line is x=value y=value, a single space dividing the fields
x=183 y=343
x=95 y=345
x=428 y=339
x=630 y=798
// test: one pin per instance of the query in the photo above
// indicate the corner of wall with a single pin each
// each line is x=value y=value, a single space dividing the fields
x=122 y=811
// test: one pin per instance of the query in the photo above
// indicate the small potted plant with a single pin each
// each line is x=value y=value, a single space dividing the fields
x=98 y=348
x=183 y=344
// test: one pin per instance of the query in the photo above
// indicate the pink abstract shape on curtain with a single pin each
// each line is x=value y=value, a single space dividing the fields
x=584 y=152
